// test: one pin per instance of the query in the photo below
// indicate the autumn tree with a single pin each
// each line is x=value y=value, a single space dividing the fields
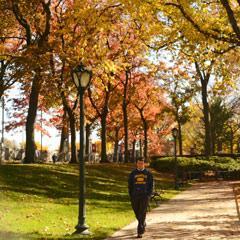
x=180 y=86
x=8 y=75
x=220 y=115
x=149 y=103
x=59 y=120
x=159 y=140
x=33 y=21
x=91 y=122
x=85 y=41
x=11 y=69
x=126 y=52
x=224 y=111
x=115 y=123
x=100 y=99
x=135 y=131
x=217 y=20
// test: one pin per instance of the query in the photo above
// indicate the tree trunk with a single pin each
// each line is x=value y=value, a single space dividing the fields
x=145 y=153
x=213 y=141
x=140 y=146
x=208 y=148
x=115 y=154
x=72 y=121
x=238 y=146
x=125 y=119
x=231 y=141
x=3 y=84
x=219 y=146
x=2 y=137
x=213 y=132
x=180 y=138
x=64 y=135
x=103 y=138
x=133 y=151
x=145 y=130
x=125 y=123
x=88 y=132
x=31 y=118
x=204 y=82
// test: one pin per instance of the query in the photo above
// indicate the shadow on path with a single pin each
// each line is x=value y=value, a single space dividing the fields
x=205 y=211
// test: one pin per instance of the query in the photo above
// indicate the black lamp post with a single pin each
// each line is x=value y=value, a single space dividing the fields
x=82 y=78
x=175 y=135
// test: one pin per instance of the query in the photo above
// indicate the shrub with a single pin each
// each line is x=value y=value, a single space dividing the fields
x=167 y=164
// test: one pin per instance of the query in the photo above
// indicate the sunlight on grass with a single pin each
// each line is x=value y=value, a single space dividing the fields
x=41 y=201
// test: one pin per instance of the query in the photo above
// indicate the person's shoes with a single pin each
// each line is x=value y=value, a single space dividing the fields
x=144 y=227
x=139 y=236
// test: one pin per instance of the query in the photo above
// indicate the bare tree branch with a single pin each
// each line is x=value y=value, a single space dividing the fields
x=199 y=29
x=108 y=7
x=92 y=102
x=22 y=21
x=9 y=37
x=231 y=17
x=46 y=7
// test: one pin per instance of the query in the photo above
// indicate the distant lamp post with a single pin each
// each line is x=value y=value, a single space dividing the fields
x=175 y=135
x=81 y=77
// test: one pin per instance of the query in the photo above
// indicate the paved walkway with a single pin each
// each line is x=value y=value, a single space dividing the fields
x=205 y=211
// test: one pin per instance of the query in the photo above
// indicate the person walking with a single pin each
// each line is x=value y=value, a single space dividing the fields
x=54 y=158
x=140 y=188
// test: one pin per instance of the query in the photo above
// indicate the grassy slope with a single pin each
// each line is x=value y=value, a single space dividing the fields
x=41 y=201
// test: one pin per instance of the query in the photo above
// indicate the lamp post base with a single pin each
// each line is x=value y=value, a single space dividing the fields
x=82 y=229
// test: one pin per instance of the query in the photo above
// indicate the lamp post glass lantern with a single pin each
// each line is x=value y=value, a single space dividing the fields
x=82 y=78
x=175 y=135
x=175 y=132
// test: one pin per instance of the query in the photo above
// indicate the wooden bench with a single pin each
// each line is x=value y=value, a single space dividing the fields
x=156 y=197
x=222 y=175
x=193 y=175
x=207 y=175
x=236 y=191
x=182 y=179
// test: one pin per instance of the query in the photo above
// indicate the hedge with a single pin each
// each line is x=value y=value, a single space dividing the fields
x=218 y=164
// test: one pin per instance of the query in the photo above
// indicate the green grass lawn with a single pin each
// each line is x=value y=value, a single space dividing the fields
x=40 y=201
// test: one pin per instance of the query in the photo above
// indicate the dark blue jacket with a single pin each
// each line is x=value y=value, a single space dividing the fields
x=140 y=183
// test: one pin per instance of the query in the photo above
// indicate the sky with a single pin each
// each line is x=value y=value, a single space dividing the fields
x=18 y=135
x=53 y=141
